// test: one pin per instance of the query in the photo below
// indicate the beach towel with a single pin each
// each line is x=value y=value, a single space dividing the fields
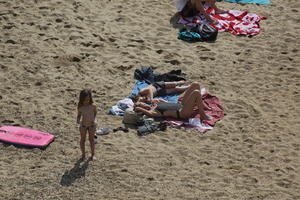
x=194 y=122
x=263 y=2
x=122 y=105
x=235 y=21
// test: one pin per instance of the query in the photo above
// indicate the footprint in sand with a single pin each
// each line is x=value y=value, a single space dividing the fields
x=160 y=51
x=253 y=111
x=3 y=67
x=10 y=42
x=173 y=62
x=124 y=68
x=285 y=183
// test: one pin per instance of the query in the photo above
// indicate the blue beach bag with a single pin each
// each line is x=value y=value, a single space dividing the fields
x=189 y=36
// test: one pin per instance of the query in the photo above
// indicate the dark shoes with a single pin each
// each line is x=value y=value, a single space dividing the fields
x=125 y=130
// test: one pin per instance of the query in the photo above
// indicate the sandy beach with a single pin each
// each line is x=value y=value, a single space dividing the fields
x=50 y=50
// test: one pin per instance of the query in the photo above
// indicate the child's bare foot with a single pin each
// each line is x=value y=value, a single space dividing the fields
x=82 y=158
x=92 y=158
x=221 y=11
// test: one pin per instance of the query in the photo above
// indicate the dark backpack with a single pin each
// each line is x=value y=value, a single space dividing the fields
x=207 y=32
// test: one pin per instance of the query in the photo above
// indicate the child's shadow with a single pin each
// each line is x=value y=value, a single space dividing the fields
x=76 y=172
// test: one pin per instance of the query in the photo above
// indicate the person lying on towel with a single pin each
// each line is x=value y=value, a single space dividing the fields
x=159 y=89
x=190 y=8
x=161 y=108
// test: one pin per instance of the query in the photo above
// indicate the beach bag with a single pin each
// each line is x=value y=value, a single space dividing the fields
x=131 y=117
x=206 y=31
x=189 y=36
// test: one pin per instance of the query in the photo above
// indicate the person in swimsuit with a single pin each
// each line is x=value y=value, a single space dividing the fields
x=189 y=8
x=162 y=108
x=159 y=89
x=87 y=111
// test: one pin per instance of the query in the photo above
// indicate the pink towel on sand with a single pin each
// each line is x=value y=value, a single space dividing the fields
x=235 y=21
x=216 y=112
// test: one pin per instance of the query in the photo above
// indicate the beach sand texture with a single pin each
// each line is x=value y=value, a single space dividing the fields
x=50 y=50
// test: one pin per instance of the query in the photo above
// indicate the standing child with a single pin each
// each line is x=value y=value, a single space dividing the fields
x=88 y=111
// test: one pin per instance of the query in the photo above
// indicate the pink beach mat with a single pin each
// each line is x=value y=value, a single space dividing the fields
x=25 y=136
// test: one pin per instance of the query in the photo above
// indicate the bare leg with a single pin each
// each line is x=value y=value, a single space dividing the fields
x=177 y=89
x=194 y=98
x=212 y=4
x=169 y=85
x=181 y=89
x=92 y=143
x=82 y=141
x=180 y=82
x=194 y=86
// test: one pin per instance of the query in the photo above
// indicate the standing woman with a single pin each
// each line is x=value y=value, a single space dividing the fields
x=88 y=111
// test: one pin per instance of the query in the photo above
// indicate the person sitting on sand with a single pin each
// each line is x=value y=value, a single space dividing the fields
x=159 y=89
x=161 y=108
x=189 y=8
x=88 y=111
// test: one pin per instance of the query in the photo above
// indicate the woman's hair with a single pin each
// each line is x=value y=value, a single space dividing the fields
x=135 y=98
x=83 y=94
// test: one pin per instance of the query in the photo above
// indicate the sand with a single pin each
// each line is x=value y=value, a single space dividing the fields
x=50 y=50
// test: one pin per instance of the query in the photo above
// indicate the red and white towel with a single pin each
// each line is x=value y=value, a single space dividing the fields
x=235 y=21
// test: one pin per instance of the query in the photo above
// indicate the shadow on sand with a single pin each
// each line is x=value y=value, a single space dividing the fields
x=76 y=172
x=173 y=21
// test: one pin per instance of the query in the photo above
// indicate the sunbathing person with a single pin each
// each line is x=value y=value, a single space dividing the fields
x=161 y=108
x=159 y=89
x=189 y=8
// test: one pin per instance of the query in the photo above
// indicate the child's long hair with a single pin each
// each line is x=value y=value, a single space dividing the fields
x=83 y=94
